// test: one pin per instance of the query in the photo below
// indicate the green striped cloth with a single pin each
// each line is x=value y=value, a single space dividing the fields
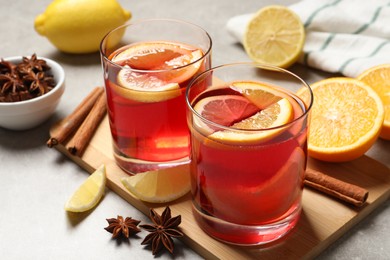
x=342 y=36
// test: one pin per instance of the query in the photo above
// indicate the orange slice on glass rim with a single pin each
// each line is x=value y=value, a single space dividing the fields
x=155 y=70
x=240 y=113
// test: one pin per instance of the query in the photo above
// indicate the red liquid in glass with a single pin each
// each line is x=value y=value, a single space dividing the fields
x=144 y=128
x=249 y=184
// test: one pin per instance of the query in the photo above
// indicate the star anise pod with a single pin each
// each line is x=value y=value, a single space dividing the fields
x=165 y=227
x=10 y=83
x=34 y=64
x=6 y=67
x=38 y=82
x=119 y=226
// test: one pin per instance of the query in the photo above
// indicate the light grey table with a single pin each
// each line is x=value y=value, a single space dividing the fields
x=36 y=181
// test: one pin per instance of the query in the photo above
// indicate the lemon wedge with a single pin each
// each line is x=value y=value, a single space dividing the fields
x=160 y=186
x=89 y=193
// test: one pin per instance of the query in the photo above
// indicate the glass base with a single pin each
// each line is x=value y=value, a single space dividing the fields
x=243 y=235
x=132 y=166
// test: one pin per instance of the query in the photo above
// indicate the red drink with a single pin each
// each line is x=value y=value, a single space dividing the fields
x=145 y=81
x=151 y=96
x=246 y=182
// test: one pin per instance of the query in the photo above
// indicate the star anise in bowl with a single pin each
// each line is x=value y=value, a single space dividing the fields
x=30 y=90
x=27 y=79
x=162 y=230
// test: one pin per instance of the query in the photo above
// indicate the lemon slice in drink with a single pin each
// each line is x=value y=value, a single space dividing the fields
x=156 y=90
x=89 y=193
x=160 y=186
x=275 y=35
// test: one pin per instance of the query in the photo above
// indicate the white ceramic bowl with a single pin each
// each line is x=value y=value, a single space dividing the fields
x=27 y=114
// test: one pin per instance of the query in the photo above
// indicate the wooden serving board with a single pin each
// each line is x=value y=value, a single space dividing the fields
x=322 y=222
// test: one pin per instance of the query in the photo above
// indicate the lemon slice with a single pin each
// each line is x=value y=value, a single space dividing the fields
x=89 y=193
x=158 y=91
x=160 y=186
x=275 y=35
x=275 y=115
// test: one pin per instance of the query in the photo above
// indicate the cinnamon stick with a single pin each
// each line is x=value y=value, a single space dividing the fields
x=342 y=190
x=72 y=122
x=84 y=134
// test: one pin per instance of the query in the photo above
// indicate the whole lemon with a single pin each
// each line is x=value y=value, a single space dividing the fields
x=78 y=26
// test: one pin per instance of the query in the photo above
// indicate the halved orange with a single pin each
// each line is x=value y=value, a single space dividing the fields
x=378 y=78
x=346 y=119
x=155 y=70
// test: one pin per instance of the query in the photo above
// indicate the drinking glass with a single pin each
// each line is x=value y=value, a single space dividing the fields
x=249 y=129
x=145 y=76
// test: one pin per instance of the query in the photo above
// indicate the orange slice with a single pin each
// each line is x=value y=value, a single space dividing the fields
x=179 y=62
x=225 y=109
x=346 y=118
x=275 y=115
x=157 y=70
x=258 y=93
x=244 y=112
x=378 y=78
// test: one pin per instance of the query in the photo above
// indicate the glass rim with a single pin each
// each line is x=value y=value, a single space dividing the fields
x=253 y=64
x=140 y=21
